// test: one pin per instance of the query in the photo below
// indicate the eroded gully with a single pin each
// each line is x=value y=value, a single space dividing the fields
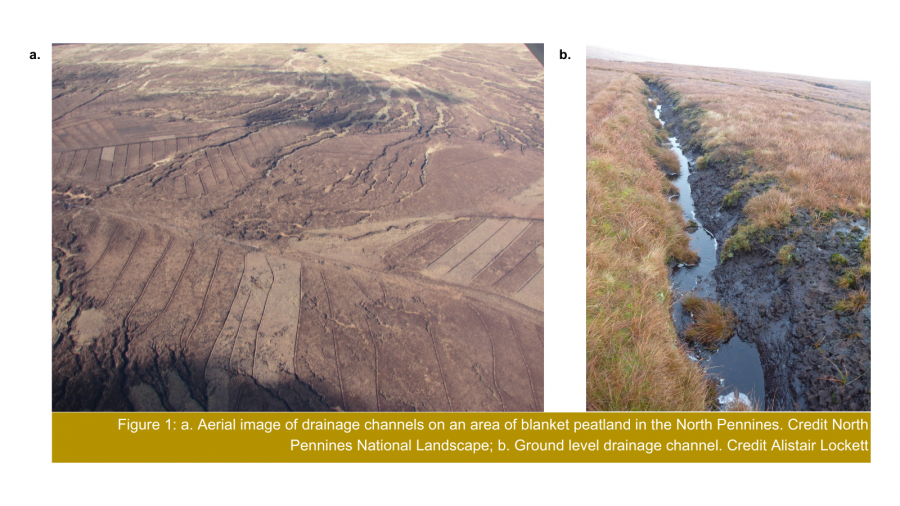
x=735 y=364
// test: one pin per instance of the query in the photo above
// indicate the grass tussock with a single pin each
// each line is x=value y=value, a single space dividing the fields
x=853 y=303
x=711 y=322
x=702 y=163
x=770 y=209
x=851 y=278
x=739 y=241
x=667 y=160
x=634 y=359
x=786 y=255
x=838 y=260
x=662 y=136
x=732 y=197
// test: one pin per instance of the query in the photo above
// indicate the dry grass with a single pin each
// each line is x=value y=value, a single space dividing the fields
x=711 y=322
x=851 y=278
x=854 y=302
x=635 y=361
x=770 y=209
x=668 y=160
x=813 y=135
x=808 y=139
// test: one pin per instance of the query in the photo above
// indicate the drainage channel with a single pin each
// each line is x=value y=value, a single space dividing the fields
x=735 y=364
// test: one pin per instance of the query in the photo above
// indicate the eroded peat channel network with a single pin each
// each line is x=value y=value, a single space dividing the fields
x=748 y=194
x=297 y=227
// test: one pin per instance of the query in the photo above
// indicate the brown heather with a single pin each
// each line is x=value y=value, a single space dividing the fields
x=634 y=358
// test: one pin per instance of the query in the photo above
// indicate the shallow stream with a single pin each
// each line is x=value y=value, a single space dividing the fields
x=735 y=364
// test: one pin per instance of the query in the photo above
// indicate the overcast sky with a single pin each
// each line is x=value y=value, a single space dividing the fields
x=839 y=40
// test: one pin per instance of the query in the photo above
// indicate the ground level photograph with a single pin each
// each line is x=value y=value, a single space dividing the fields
x=728 y=238
x=297 y=227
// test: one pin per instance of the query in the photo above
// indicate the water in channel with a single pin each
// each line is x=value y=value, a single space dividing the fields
x=735 y=364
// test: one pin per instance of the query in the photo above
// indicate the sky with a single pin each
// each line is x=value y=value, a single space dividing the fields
x=838 y=40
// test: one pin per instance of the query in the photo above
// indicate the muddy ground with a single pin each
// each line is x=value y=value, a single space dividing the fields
x=813 y=357
x=297 y=227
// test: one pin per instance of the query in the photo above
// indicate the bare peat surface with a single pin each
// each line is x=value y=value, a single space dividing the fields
x=813 y=357
x=297 y=227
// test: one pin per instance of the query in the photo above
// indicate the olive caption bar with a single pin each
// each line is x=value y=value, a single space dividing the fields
x=461 y=437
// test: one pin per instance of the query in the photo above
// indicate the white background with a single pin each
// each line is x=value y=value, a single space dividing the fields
x=850 y=40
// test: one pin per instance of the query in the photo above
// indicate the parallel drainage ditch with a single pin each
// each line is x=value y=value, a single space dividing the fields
x=735 y=364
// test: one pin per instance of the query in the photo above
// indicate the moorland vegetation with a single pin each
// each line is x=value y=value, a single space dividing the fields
x=634 y=358
x=793 y=159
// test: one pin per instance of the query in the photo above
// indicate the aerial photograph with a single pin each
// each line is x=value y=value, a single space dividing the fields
x=302 y=227
x=728 y=238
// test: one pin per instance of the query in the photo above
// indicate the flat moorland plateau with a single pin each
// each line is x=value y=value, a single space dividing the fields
x=297 y=227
